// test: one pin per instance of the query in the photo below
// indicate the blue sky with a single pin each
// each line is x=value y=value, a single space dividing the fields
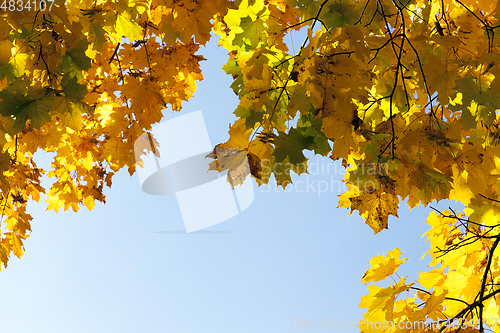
x=126 y=266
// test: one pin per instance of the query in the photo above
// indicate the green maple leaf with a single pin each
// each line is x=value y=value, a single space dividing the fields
x=313 y=129
x=478 y=103
x=75 y=60
x=98 y=36
x=338 y=15
x=232 y=68
x=35 y=106
x=38 y=105
x=254 y=32
x=71 y=111
x=70 y=106
x=291 y=145
x=251 y=116
x=75 y=90
x=38 y=111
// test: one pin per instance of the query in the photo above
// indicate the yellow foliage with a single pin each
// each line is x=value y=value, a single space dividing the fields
x=382 y=267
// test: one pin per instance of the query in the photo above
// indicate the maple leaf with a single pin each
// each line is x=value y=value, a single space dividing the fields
x=382 y=267
x=374 y=205
x=253 y=32
x=382 y=299
x=35 y=106
x=431 y=278
x=338 y=14
x=125 y=26
x=75 y=60
x=291 y=145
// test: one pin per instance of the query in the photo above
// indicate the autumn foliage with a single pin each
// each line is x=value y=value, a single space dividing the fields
x=410 y=85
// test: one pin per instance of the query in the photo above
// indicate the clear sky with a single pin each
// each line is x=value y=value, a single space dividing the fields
x=128 y=265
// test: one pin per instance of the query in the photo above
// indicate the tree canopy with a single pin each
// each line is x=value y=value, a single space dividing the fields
x=405 y=93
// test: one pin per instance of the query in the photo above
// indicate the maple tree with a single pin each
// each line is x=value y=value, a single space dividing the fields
x=413 y=86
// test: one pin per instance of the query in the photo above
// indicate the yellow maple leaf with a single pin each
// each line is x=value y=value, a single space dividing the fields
x=381 y=299
x=431 y=278
x=383 y=266
x=375 y=208
x=54 y=203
